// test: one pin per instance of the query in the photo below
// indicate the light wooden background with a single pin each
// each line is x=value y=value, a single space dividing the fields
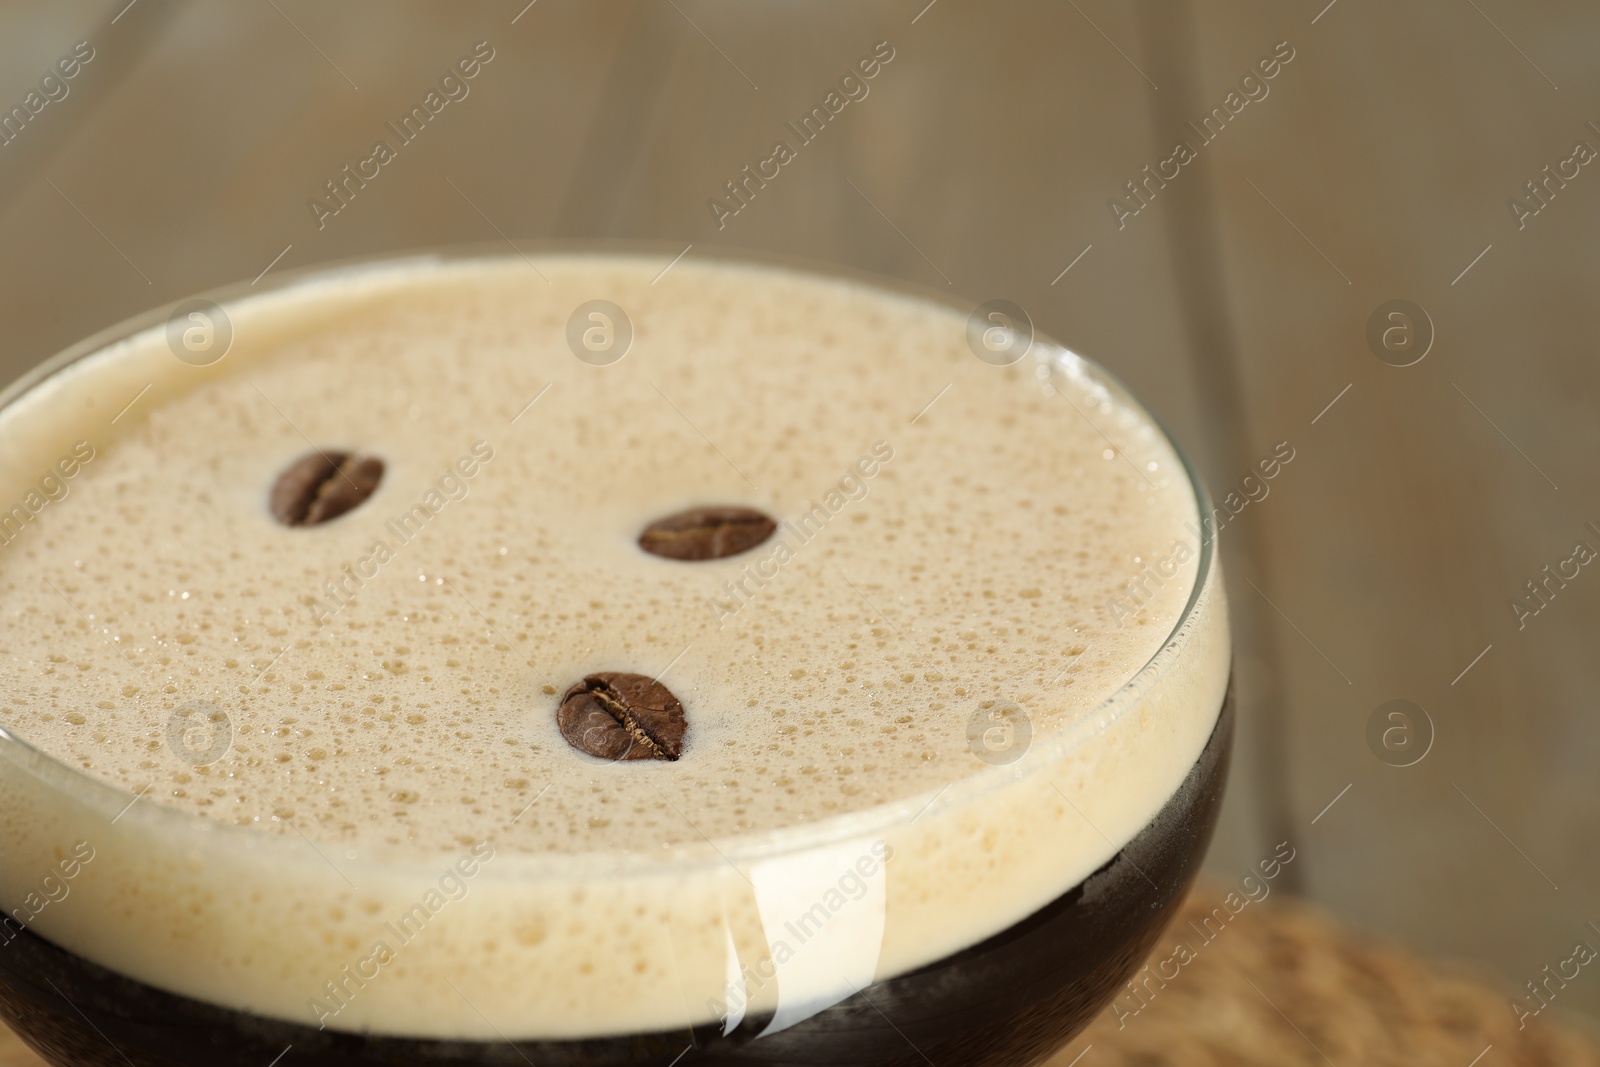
x=1379 y=167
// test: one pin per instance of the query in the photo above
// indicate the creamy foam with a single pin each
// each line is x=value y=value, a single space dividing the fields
x=390 y=679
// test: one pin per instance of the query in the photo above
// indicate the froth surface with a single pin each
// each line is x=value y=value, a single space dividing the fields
x=957 y=539
x=973 y=566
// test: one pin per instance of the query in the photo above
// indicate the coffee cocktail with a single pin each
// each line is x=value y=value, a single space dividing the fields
x=477 y=659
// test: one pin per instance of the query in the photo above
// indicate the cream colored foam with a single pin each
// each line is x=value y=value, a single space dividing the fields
x=375 y=746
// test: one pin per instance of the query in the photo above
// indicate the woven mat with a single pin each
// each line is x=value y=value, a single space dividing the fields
x=1279 y=986
x=1282 y=984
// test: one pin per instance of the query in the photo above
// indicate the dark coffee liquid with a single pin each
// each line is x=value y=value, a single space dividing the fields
x=1009 y=1000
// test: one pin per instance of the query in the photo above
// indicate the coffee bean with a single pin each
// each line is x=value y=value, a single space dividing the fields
x=618 y=716
x=706 y=533
x=324 y=485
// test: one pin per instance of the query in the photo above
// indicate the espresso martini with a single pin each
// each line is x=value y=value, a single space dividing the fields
x=556 y=651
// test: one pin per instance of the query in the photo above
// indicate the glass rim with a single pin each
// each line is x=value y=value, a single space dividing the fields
x=752 y=847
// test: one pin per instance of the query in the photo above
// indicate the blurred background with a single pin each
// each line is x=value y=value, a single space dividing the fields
x=1435 y=152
